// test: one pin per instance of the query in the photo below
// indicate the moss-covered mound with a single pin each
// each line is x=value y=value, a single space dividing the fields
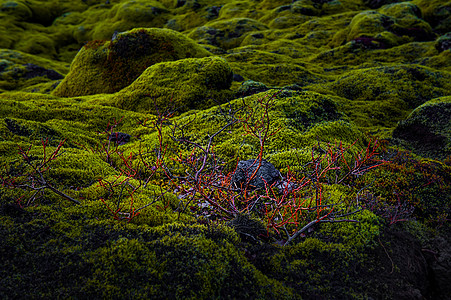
x=381 y=96
x=226 y=34
x=122 y=123
x=20 y=70
x=109 y=66
x=392 y=25
x=96 y=260
x=428 y=128
x=187 y=83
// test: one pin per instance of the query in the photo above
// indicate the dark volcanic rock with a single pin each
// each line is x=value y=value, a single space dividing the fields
x=266 y=174
x=33 y=70
x=119 y=138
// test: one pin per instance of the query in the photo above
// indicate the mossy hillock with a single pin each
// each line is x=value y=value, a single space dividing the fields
x=186 y=83
x=114 y=103
x=19 y=71
x=226 y=34
x=428 y=128
x=109 y=66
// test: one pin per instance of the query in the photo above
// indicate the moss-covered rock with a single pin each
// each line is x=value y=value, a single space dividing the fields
x=107 y=67
x=250 y=87
x=226 y=34
x=17 y=9
x=413 y=187
x=55 y=118
x=319 y=265
x=443 y=43
x=437 y=13
x=381 y=96
x=391 y=27
x=170 y=270
x=428 y=128
x=303 y=119
x=270 y=68
x=127 y=15
x=186 y=84
x=20 y=70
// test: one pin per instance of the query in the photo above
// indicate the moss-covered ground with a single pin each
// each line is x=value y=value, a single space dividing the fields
x=98 y=99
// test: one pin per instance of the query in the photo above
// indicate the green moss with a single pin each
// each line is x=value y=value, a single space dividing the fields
x=187 y=21
x=19 y=70
x=428 y=129
x=390 y=26
x=408 y=181
x=268 y=4
x=82 y=124
x=278 y=69
x=226 y=34
x=205 y=81
x=339 y=68
x=102 y=260
x=37 y=44
x=307 y=108
x=77 y=168
x=321 y=264
x=179 y=265
x=355 y=235
x=303 y=119
x=239 y=9
x=17 y=9
x=106 y=67
x=436 y=13
x=381 y=96
x=127 y=15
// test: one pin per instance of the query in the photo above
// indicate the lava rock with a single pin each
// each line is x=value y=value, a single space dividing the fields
x=119 y=138
x=33 y=70
x=266 y=174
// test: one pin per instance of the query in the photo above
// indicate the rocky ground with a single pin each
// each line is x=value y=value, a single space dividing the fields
x=109 y=108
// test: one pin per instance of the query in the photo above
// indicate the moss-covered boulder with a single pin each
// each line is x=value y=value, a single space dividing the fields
x=48 y=116
x=184 y=84
x=391 y=25
x=428 y=128
x=382 y=96
x=20 y=70
x=226 y=34
x=437 y=13
x=17 y=9
x=409 y=21
x=250 y=87
x=443 y=43
x=170 y=271
x=124 y=16
x=284 y=17
x=303 y=120
x=273 y=69
x=109 y=66
x=377 y=83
